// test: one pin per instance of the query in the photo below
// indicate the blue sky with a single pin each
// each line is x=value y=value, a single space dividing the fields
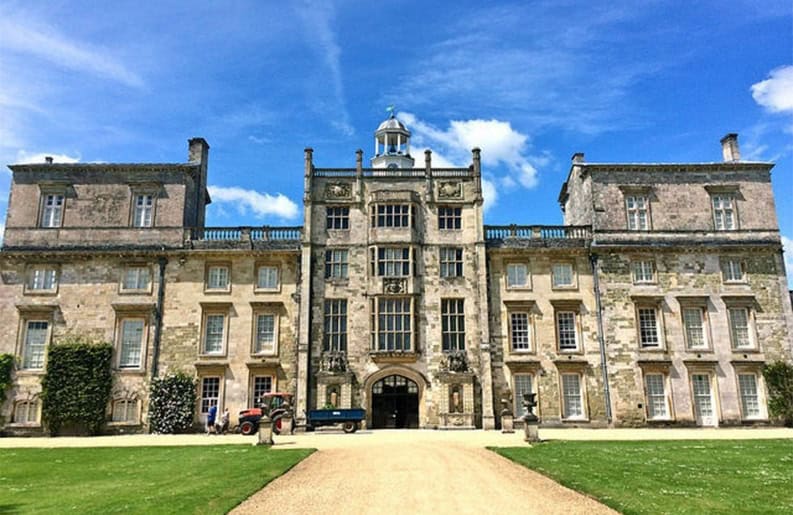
x=530 y=82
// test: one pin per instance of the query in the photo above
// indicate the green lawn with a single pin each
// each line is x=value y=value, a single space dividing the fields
x=735 y=476
x=199 y=479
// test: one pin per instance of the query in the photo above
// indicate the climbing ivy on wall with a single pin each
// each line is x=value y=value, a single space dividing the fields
x=6 y=366
x=779 y=380
x=76 y=385
x=172 y=403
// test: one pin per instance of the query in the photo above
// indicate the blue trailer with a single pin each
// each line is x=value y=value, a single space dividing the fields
x=350 y=419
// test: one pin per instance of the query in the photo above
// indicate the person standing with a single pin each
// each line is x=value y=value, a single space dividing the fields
x=222 y=424
x=211 y=416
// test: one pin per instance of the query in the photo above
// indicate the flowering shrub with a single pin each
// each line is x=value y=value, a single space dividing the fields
x=779 y=380
x=171 y=403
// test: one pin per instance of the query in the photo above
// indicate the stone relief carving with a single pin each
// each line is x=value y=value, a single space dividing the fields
x=450 y=190
x=338 y=190
x=394 y=286
x=455 y=361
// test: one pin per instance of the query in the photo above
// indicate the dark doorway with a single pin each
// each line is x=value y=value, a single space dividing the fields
x=395 y=403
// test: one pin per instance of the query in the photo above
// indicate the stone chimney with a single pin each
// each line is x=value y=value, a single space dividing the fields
x=476 y=156
x=729 y=148
x=359 y=162
x=308 y=152
x=428 y=162
x=198 y=154
x=198 y=151
x=578 y=157
x=48 y=160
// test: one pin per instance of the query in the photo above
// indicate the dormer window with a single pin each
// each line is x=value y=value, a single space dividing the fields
x=724 y=212
x=637 y=207
x=143 y=210
x=52 y=210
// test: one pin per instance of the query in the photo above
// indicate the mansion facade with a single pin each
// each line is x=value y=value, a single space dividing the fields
x=657 y=302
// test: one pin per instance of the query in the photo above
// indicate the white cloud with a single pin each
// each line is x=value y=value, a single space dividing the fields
x=489 y=194
x=260 y=204
x=776 y=92
x=787 y=244
x=2 y=232
x=24 y=157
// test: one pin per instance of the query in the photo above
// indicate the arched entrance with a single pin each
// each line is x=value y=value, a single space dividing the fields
x=395 y=403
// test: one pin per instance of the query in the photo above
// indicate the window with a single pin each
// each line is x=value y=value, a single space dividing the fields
x=451 y=259
x=517 y=275
x=391 y=215
x=125 y=411
x=135 y=278
x=337 y=217
x=34 y=344
x=267 y=277
x=573 y=405
x=210 y=393
x=637 y=208
x=453 y=324
x=732 y=270
x=450 y=218
x=695 y=328
x=657 y=402
x=265 y=337
x=42 y=279
x=52 y=210
x=519 y=332
x=563 y=275
x=724 y=212
x=261 y=386
x=143 y=210
x=393 y=261
x=218 y=278
x=522 y=384
x=26 y=412
x=336 y=263
x=566 y=330
x=750 y=400
x=391 y=324
x=214 y=331
x=649 y=333
x=130 y=344
x=335 y=337
x=643 y=271
x=740 y=328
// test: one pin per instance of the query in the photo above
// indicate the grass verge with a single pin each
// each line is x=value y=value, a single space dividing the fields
x=727 y=476
x=197 y=479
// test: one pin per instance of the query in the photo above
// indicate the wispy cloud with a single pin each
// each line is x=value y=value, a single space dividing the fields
x=776 y=92
x=787 y=244
x=251 y=201
x=24 y=157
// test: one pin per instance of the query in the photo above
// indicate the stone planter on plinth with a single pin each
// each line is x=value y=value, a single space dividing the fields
x=265 y=432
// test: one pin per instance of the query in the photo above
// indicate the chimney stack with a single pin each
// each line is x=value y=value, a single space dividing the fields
x=476 y=156
x=48 y=160
x=729 y=148
x=578 y=157
x=197 y=150
x=359 y=162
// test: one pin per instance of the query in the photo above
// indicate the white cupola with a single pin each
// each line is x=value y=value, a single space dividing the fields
x=392 y=145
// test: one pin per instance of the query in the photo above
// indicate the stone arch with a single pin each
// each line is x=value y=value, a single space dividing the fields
x=399 y=370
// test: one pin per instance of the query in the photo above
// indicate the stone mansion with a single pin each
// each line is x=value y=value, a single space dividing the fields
x=656 y=303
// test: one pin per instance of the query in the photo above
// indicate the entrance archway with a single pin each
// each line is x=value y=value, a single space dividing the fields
x=395 y=403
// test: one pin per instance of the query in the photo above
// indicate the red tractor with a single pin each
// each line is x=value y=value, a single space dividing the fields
x=274 y=405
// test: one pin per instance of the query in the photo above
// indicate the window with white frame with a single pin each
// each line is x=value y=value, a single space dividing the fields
x=125 y=411
x=450 y=218
x=517 y=275
x=521 y=383
x=694 y=323
x=451 y=261
x=261 y=386
x=42 y=278
x=336 y=266
x=563 y=275
x=649 y=330
x=566 y=330
x=391 y=215
x=335 y=336
x=130 y=342
x=392 y=324
x=732 y=270
x=724 y=212
x=337 y=217
x=135 y=278
x=52 y=210
x=657 y=401
x=210 y=393
x=750 y=399
x=26 y=412
x=143 y=210
x=520 y=331
x=218 y=278
x=214 y=333
x=572 y=397
x=453 y=324
x=392 y=261
x=34 y=344
x=740 y=327
x=267 y=277
x=643 y=271
x=266 y=333
x=637 y=209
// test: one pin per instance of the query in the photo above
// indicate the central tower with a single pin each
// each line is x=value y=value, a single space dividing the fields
x=392 y=145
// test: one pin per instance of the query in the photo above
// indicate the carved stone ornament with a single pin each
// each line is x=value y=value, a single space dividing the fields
x=450 y=190
x=338 y=190
x=394 y=286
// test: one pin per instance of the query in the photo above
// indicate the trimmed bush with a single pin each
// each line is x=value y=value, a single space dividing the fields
x=77 y=384
x=779 y=381
x=6 y=366
x=172 y=404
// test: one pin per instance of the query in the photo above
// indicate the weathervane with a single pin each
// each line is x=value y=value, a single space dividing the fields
x=390 y=110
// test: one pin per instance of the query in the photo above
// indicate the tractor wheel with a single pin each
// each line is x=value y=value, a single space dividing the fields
x=277 y=426
x=349 y=427
x=247 y=428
